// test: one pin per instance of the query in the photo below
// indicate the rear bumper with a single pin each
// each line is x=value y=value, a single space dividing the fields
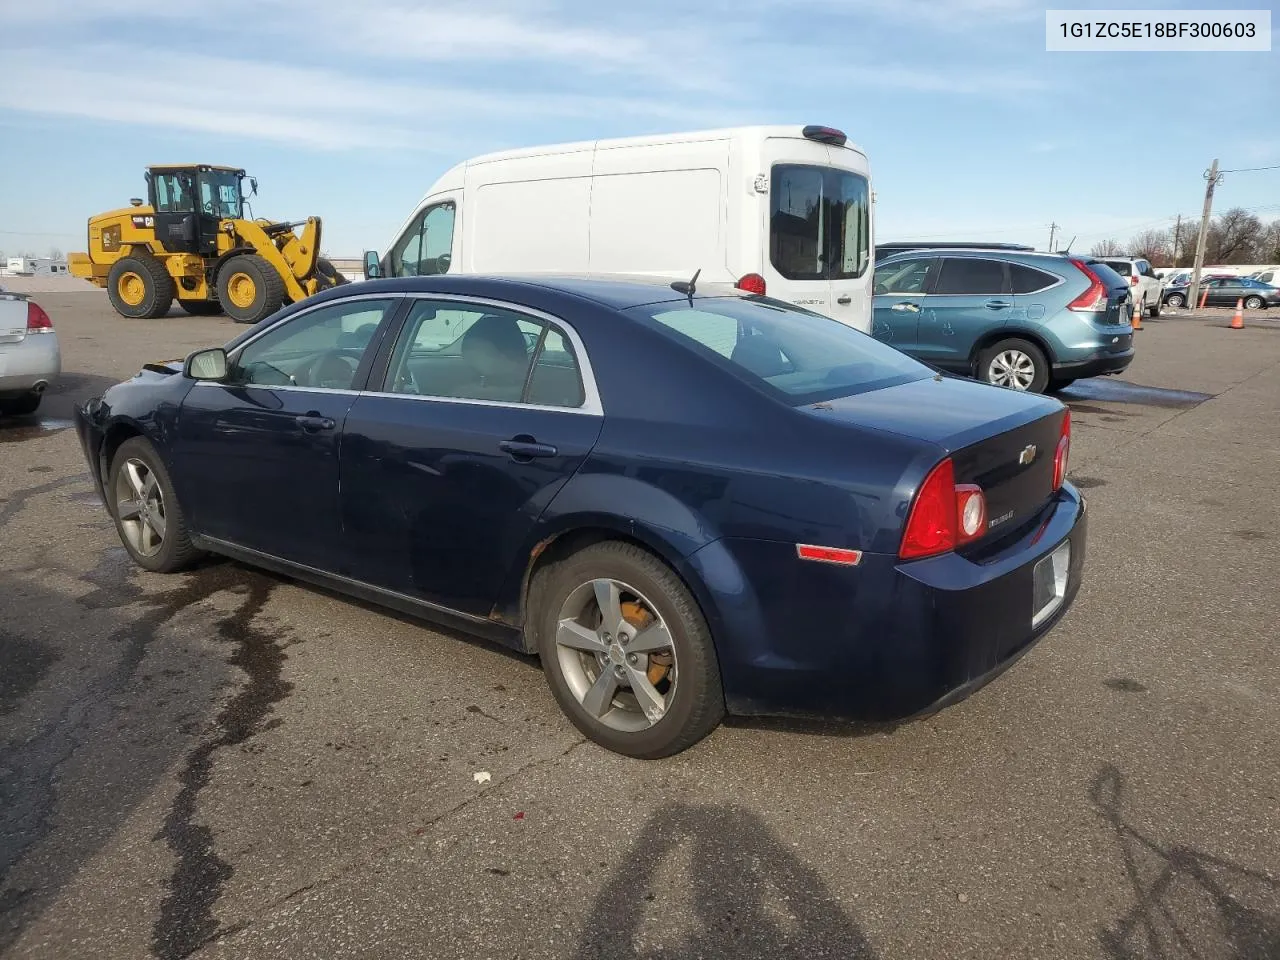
x=885 y=640
x=37 y=359
x=1102 y=362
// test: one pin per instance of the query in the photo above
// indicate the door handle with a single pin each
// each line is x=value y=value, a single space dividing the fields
x=524 y=448
x=998 y=304
x=314 y=423
x=906 y=307
x=845 y=299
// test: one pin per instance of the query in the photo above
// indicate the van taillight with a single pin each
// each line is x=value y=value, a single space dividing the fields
x=944 y=515
x=1094 y=299
x=752 y=283
x=37 y=320
x=1060 y=455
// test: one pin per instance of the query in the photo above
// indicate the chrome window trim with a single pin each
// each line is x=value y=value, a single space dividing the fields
x=591 y=403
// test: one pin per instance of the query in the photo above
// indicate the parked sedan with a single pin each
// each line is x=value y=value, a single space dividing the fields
x=1027 y=321
x=1228 y=291
x=30 y=358
x=685 y=503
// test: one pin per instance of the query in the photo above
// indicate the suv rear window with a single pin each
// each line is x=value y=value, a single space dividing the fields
x=800 y=357
x=819 y=223
x=1122 y=267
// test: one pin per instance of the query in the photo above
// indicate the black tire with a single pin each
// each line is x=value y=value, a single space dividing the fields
x=330 y=273
x=1154 y=310
x=697 y=700
x=267 y=289
x=1175 y=300
x=22 y=406
x=147 y=275
x=1059 y=383
x=1254 y=303
x=201 y=308
x=1040 y=366
x=176 y=551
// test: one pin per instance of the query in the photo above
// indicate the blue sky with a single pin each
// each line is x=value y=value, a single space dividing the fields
x=350 y=110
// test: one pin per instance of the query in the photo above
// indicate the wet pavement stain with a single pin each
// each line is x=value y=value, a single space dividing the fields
x=12 y=504
x=39 y=469
x=1111 y=416
x=25 y=428
x=186 y=918
x=1125 y=685
x=25 y=661
x=1250 y=535
x=1087 y=483
x=1109 y=390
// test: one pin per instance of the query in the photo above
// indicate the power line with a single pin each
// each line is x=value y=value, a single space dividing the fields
x=1251 y=169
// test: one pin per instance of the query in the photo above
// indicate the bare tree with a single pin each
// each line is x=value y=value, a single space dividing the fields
x=55 y=253
x=1268 y=247
x=1153 y=245
x=1107 y=248
x=1236 y=236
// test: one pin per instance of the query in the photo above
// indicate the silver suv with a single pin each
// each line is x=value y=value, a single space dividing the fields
x=1144 y=286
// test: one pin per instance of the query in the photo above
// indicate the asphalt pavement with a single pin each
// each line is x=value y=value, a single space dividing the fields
x=230 y=764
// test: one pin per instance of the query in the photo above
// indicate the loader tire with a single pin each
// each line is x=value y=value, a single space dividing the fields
x=249 y=289
x=140 y=287
x=201 y=308
x=330 y=273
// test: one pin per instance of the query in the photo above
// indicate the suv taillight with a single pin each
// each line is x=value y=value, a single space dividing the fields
x=1093 y=300
x=752 y=283
x=37 y=320
x=1133 y=280
x=1060 y=455
x=944 y=515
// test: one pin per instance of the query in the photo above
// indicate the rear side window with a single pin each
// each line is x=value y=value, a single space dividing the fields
x=970 y=276
x=819 y=223
x=800 y=357
x=1028 y=279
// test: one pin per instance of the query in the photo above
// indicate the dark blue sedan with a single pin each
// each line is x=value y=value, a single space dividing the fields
x=686 y=502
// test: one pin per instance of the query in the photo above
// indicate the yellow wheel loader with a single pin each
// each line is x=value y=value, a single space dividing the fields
x=191 y=241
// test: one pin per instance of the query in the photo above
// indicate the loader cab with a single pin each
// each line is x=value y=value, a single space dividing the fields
x=190 y=203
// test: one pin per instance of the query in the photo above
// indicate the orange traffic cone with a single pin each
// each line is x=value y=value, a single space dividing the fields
x=1204 y=298
x=1237 y=319
x=1136 y=318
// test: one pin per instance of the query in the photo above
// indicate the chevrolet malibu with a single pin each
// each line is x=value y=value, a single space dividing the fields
x=685 y=501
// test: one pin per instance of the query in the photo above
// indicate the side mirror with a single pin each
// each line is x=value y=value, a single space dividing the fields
x=253 y=186
x=210 y=364
x=372 y=265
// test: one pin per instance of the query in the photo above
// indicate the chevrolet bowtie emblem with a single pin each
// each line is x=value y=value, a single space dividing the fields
x=1028 y=454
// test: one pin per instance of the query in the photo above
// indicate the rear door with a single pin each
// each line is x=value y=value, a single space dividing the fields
x=969 y=298
x=483 y=413
x=900 y=290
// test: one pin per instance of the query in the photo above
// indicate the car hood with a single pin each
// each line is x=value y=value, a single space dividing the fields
x=948 y=411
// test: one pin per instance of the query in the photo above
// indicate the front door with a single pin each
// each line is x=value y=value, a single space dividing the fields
x=900 y=290
x=256 y=456
x=969 y=298
x=173 y=195
x=485 y=412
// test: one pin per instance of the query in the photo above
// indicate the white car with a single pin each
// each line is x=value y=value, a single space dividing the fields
x=1145 y=288
x=30 y=359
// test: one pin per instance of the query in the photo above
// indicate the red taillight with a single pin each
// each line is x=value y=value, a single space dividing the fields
x=37 y=319
x=837 y=555
x=944 y=515
x=1060 y=455
x=1133 y=280
x=1093 y=300
x=752 y=283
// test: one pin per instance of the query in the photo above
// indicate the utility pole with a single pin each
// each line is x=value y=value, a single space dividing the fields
x=1177 y=238
x=1213 y=177
x=1053 y=228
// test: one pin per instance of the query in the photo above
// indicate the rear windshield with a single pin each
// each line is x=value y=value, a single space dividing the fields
x=819 y=223
x=799 y=356
x=1107 y=273
x=1122 y=267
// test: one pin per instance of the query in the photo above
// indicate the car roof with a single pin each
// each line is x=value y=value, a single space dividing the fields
x=1030 y=256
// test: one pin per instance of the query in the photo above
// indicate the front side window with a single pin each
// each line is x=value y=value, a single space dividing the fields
x=320 y=348
x=425 y=249
x=903 y=277
x=799 y=356
x=819 y=223
x=961 y=277
x=463 y=351
x=220 y=194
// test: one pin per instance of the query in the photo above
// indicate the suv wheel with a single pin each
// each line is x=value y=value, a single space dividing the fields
x=1016 y=364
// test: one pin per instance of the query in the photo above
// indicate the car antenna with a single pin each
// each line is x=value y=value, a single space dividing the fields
x=1066 y=251
x=688 y=287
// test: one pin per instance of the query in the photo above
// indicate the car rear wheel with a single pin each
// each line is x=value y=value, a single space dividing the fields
x=145 y=508
x=1175 y=300
x=1254 y=303
x=1016 y=364
x=626 y=650
x=22 y=406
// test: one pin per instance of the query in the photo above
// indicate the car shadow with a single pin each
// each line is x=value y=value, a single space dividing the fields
x=706 y=880
x=1187 y=904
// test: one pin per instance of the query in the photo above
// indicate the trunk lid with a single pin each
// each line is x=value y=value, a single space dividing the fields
x=1002 y=440
x=13 y=318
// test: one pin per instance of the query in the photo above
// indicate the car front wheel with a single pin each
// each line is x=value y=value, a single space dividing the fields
x=1016 y=364
x=145 y=508
x=626 y=650
x=1175 y=300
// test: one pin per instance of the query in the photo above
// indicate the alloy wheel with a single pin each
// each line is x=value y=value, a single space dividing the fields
x=140 y=507
x=1013 y=369
x=616 y=655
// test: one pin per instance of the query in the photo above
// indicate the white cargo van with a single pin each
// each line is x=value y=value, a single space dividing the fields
x=784 y=211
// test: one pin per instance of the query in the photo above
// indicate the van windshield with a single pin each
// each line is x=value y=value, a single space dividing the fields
x=819 y=223
x=798 y=356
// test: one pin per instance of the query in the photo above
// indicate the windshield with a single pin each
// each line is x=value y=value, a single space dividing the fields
x=819 y=223
x=800 y=357
x=220 y=194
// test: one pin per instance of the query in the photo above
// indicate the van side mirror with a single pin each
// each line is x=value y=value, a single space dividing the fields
x=372 y=265
x=210 y=364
